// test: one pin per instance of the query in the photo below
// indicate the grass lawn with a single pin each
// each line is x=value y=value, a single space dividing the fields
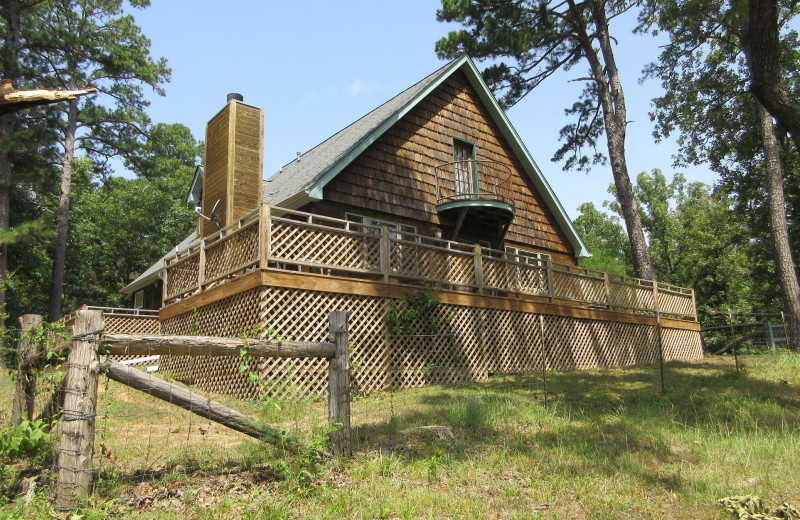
x=608 y=445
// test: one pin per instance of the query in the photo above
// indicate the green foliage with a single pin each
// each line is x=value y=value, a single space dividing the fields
x=606 y=239
x=247 y=359
x=693 y=238
x=707 y=103
x=529 y=41
x=26 y=439
x=417 y=312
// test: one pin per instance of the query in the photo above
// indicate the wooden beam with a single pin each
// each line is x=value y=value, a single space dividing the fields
x=195 y=403
x=343 y=285
x=220 y=292
x=148 y=344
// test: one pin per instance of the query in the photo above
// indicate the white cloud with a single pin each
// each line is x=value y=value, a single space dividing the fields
x=358 y=86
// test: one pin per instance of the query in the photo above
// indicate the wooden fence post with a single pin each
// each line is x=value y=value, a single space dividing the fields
x=339 y=385
x=78 y=419
x=27 y=353
x=551 y=292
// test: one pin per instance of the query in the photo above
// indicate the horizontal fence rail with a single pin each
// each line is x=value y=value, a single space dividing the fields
x=281 y=239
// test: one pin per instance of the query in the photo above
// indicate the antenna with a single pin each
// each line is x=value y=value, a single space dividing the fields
x=213 y=217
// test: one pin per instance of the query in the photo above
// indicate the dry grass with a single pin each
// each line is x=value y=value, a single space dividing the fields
x=608 y=445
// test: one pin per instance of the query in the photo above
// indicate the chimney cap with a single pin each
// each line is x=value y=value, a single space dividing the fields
x=235 y=96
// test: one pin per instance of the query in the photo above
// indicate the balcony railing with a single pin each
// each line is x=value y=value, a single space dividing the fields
x=473 y=180
x=279 y=239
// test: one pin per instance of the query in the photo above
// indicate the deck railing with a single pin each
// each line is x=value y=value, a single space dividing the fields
x=280 y=239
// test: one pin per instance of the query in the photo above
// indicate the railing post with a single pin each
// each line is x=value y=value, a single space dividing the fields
x=78 y=419
x=164 y=286
x=27 y=353
x=550 y=289
x=655 y=297
x=386 y=265
x=478 y=268
x=265 y=229
x=607 y=289
x=201 y=265
x=339 y=385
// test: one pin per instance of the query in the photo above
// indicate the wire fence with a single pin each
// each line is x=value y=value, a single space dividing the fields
x=746 y=333
x=139 y=437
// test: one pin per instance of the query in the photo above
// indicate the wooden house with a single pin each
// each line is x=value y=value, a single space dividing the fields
x=434 y=188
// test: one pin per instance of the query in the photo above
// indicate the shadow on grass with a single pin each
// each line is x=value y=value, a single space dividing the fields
x=608 y=421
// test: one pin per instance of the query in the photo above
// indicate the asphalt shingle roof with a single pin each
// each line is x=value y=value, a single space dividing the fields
x=299 y=175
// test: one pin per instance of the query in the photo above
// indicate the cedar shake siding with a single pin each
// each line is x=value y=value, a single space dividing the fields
x=396 y=178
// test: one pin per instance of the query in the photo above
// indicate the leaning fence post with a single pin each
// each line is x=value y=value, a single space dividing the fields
x=27 y=352
x=339 y=385
x=78 y=419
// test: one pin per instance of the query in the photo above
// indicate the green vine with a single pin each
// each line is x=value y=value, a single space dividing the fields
x=416 y=312
x=247 y=358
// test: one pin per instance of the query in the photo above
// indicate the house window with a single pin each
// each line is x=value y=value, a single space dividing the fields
x=396 y=231
x=526 y=257
x=464 y=167
x=138 y=299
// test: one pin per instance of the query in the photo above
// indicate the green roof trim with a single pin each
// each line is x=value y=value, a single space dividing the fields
x=466 y=65
x=476 y=203
x=315 y=191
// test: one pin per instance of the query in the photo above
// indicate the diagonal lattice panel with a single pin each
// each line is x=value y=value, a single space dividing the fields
x=468 y=343
x=232 y=252
x=631 y=296
x=182 y=276
x=524 y=278
x=671 y=303
x=293 y=242
x=431 y=263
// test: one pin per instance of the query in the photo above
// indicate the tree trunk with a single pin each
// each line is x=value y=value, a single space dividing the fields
x=612 y=101
x=62 y=227
x=784 y=262
x=7 y=123
x=766 y=79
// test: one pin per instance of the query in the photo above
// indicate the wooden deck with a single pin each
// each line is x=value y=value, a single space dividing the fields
x=331 y=254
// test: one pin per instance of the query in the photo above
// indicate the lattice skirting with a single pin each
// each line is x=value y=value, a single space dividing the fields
x=468 y=344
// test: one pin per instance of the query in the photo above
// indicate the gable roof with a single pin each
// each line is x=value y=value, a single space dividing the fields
x=302 y=180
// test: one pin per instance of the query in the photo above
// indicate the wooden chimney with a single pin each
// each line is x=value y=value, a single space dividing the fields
x=233 y=161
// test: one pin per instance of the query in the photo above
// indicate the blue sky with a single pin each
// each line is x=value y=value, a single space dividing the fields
x=317 y=66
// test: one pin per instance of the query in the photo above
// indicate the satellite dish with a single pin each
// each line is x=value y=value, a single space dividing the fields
x=213 y=217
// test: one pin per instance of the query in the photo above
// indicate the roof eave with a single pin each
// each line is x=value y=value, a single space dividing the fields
x=316 y=189
x=141 y=283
